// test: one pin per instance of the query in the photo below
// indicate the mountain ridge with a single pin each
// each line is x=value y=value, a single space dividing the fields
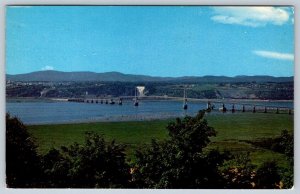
x=79 y=76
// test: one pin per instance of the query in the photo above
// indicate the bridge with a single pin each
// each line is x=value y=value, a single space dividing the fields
x=222 y=105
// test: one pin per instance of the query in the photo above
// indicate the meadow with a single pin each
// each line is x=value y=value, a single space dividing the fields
x=233 y=133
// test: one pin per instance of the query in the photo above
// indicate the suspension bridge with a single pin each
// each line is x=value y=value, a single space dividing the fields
x=223 y=105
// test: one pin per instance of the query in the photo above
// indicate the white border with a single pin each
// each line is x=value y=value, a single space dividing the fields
x=295 y=3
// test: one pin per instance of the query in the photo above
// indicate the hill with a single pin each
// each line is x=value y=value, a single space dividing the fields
x=58 y=76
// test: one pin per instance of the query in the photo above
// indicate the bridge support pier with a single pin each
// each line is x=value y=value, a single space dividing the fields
x=233 y=109
x=224 y=109
x=209 y=107
x=185 y=106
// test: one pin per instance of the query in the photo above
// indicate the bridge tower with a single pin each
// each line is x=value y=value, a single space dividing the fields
x=136 y=100
x=185 y=106
x=209 y=106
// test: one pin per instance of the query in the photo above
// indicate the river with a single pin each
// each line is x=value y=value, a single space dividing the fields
x=55 y=112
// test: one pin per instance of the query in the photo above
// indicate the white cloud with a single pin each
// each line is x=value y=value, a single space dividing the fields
x=274 y=55
x=47 y=67
x=251 y=15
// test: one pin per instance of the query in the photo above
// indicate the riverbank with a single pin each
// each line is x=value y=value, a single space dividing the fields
x=32 y=99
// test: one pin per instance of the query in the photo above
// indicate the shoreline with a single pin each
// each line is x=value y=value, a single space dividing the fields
x=125 y=119
x=139 y=118
x=10 y=99
x=145 y=115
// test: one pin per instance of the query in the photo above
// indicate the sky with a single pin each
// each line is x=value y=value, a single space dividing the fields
x=168 y=41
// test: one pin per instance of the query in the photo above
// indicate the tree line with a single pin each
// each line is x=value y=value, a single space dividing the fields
x=272 y=91
x=180 y=161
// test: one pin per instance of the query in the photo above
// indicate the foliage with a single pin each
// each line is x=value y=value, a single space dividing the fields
x=22 y=161
x=180 y=161
x=135 y=134
x=246 y=89
x=267 y=176
x=287 y=175
x=287 y=146
x=286 y=143
x=283 y=144
x=96 y=164
x=239 y=172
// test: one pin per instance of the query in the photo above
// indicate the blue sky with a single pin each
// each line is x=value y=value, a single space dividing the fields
x=151 y=40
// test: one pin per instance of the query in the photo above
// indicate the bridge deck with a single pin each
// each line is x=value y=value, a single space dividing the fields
x=228 y=102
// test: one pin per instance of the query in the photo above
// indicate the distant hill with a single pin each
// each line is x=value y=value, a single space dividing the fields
x=58 y=76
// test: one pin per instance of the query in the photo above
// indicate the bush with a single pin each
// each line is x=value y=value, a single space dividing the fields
x=22 y=161
x=267 y=176
x=239 y=172
x=180 y=161
x=96 y=164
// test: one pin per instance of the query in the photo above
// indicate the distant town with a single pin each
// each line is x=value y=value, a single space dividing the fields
x=218 y=90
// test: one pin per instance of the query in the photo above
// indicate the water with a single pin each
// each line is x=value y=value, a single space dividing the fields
x=50 y=112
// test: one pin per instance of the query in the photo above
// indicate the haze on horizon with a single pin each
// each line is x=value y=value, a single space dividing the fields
x=165 y=41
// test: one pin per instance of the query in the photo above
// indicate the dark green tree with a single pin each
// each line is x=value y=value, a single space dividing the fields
x=56 y=168
x=96 y=164
x=286 y=142
x=180 y=161
x=283 y=144
x=22 y=161
x=267 y=176
x=287 y=145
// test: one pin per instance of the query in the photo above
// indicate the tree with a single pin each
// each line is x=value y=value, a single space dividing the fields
x=96 y=164
x=56 y=168
x=286 y=141
x=267 y=176
x=180 y=162
x=22 y=161
x=287 y=144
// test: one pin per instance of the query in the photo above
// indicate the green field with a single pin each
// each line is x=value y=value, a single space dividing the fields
x=232 y=131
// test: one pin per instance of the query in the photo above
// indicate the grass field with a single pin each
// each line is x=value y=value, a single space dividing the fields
x=232 y=130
